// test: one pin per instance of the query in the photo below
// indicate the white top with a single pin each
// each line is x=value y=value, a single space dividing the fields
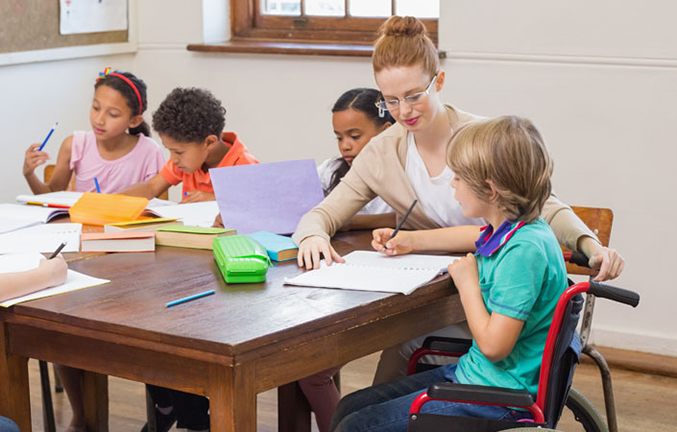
x=327 y=169
x=435 y=195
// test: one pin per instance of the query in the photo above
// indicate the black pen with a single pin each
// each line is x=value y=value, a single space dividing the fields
x=399 y=225
x=56 y=252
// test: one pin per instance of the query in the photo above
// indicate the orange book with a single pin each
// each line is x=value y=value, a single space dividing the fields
x=118 y=242
x=102 y=209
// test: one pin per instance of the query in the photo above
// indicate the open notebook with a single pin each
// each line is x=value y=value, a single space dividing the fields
x=373 y=271
x=29 y=261
x=17 y=216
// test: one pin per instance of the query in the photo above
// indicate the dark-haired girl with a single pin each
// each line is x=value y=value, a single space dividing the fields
x=356 y=120
x=117 y=151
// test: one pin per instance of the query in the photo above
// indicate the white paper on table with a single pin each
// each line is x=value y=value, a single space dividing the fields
x=64 y=198
x=44 y=238
x=372 y=271
x=11 y=224
x=23 y=262
x=92 y=16
x=200 y=214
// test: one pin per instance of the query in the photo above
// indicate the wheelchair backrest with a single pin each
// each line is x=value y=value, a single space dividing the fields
x=565 y=357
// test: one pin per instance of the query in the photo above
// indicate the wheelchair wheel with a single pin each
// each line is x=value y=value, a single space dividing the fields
x=585 y=412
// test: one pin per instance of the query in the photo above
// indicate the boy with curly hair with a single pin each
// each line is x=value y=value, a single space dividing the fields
x=190 y=123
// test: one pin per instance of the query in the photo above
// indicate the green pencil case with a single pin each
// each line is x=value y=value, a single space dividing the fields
x=241 y=259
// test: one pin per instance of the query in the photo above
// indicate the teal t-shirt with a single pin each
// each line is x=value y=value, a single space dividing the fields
x=523 y=279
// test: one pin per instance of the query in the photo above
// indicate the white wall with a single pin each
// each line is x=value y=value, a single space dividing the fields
x=599 y=80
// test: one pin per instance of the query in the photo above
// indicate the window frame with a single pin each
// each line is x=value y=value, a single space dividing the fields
x=249 y=24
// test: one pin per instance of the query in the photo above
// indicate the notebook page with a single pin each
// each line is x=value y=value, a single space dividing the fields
x=362 y=278
x=8 y=224
x=197 y=214
x=23 y=262
x=408 y=261
x=65 y=198
x=31 y=215
x=42 y=238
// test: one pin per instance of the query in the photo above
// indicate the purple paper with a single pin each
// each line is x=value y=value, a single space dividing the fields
x=266 y=197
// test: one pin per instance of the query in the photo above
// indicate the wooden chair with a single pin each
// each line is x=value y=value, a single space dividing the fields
x=600 y=222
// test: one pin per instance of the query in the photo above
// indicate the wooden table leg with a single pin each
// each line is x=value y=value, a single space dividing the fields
x=232 y=399
x=15 y=401
x=293 y=410
x=95 y=390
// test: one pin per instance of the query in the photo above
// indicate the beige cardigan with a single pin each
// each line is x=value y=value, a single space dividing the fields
x=379 y=170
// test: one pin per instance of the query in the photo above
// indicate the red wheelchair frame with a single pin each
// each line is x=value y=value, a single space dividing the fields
x=518 y=398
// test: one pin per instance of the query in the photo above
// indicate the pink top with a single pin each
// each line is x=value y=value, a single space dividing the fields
x=139 y=165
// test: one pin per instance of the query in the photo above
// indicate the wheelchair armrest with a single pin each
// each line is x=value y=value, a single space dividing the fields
x=439 y=343
x=480 y=394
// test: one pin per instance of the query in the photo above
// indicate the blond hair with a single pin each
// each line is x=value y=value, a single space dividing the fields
x=404 y=41
x=508 y=151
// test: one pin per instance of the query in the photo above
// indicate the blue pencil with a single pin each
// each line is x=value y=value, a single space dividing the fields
x=96 y=183
x=48 y=135
x=189 y=298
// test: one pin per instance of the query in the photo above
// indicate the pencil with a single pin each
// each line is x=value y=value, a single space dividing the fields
x=48 y=135
x=406 y=215
x=56 y=252
x=96 y=183
x=189 y=298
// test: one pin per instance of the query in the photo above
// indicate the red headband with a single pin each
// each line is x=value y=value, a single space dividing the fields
x=107 y=72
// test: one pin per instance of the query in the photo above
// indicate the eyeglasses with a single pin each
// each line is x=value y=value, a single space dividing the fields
x=394 y=104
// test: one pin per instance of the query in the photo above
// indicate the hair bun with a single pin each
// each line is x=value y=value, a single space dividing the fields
x=403 y=26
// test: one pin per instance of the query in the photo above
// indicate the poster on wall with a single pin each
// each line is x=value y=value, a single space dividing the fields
x=92 y=16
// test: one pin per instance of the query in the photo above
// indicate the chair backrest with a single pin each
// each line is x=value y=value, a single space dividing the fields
x=600 y=221
x=49 y=170
x=561 y=355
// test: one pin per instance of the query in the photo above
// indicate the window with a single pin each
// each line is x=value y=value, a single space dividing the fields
x=324 y=21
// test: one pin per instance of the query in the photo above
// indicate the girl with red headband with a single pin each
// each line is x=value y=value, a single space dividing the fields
x=117 y=151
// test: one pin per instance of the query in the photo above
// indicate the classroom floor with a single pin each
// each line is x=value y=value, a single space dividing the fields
x=643 y=402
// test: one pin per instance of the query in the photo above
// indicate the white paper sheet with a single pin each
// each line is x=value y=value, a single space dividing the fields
x=24 y=262
x=196 y=214
x=92 y=16
x=65 y=198
x=372 y=271
x=44 y=238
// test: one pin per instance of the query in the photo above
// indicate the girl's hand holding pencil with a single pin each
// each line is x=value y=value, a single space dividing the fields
x=34 y=158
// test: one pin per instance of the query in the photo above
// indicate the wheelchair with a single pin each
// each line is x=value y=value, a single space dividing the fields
x=560 y=357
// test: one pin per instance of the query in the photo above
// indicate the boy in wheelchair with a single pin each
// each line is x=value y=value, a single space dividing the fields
x=509 y=288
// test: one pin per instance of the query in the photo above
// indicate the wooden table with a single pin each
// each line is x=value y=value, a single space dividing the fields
x=231 y=346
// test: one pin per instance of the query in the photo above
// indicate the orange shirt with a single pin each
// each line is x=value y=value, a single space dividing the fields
x=202 y=181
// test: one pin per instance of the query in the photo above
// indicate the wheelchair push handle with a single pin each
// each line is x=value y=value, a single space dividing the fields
x=577 y=258
x=620 y=295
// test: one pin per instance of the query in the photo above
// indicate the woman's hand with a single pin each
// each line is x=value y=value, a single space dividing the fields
x=310 y=250
x=402 y=243
x=34 y=159
x=608 y=262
